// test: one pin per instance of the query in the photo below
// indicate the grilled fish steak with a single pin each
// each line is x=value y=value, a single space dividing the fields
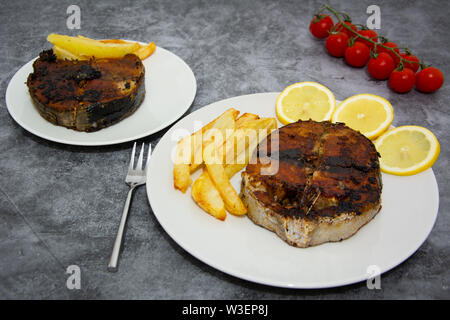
x=86 y=95
x=325 y=186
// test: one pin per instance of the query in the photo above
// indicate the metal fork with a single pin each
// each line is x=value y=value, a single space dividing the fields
x=136 y=177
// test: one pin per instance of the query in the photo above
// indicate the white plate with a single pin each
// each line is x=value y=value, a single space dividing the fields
x=245 y=250
x=170 y=90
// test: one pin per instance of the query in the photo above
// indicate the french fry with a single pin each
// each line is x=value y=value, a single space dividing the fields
x=210 y=203
x=63 y=54
x=195 y=143
x=205 y=193
x=244 y=118
x=259 y=124
x=207 y=197
x=193 y=168
x=146 y=51
x=182 y=177
x=221 y=160
x=236 y=143
x=241 y=160
x=230 y=197
x=202 y=138
x=240 y=145
x=92 y=48
x=239 y=122
x=142 y=51
x=213 y=162
x=107 y=40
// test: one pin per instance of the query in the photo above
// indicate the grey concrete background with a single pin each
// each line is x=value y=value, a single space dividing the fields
x=60 y=205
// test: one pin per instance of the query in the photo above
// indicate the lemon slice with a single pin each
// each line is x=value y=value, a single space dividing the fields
x=369 y=114
x=304 y=101
x=407 y=150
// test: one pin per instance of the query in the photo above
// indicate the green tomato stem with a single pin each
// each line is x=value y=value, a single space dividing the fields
x=357 y=35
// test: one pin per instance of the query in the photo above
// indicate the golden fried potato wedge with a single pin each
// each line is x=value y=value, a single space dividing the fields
x=181 y=177
x=181 y=168
x=216 y=171
x=241 y=145
x=202 y=138
x=230 y=197
x=146 y=51
x=235 y=144
x=108 y=40
x=143 y=52
x=241 y=159
x=207 y=197
x=213 y=191
x=92 y=48
x=193 y=168
x=63 y=54
x=189 y=153
x=181 y=174
x=236 y=149
x=258 y=124
x=244 y=118
x=205 y=193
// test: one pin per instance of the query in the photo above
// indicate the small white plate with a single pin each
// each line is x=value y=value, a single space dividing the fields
x=240 y=248
x=170 y=90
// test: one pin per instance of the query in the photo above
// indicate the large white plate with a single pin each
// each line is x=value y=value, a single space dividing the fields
x=170 y=90
x=245 y=250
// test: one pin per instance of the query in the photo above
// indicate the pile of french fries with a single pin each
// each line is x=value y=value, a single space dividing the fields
x=83 y=48
x=221 y=148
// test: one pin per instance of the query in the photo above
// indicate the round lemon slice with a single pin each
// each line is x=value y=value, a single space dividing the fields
x=407 y=150
x=304 y=101
x=369 y=114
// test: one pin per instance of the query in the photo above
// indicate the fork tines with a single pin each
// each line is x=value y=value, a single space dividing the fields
x=141 y=157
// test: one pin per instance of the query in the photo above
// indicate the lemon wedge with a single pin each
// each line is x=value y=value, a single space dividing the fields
x=369 y=114
x=407 y=150
x=304 y=101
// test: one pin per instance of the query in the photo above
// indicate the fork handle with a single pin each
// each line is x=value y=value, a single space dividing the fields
x=113 y=261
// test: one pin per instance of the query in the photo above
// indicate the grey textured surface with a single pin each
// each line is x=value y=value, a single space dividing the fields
x=60 y=205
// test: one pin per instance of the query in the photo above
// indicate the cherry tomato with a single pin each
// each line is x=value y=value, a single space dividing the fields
x=357 y=55
x=320 y=25
x=393 y=55
x=429 y=80
x=336 y=44
x=381 y=67
x=402 y=80
x=340 y=28
x=410 y=57
x=372 y=35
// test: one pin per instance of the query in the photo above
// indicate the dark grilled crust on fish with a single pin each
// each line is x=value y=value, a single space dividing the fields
x=326 y=186
x=86 y=95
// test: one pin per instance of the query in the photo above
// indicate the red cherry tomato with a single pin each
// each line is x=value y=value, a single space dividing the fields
x=429 y=80
x=340 y=28
x=320 y=26
x=336 y=44
x=410 y=57
x=393 y=55
x=357 y=55
x=372 y=35
x=381 y=67
x=402 y=80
